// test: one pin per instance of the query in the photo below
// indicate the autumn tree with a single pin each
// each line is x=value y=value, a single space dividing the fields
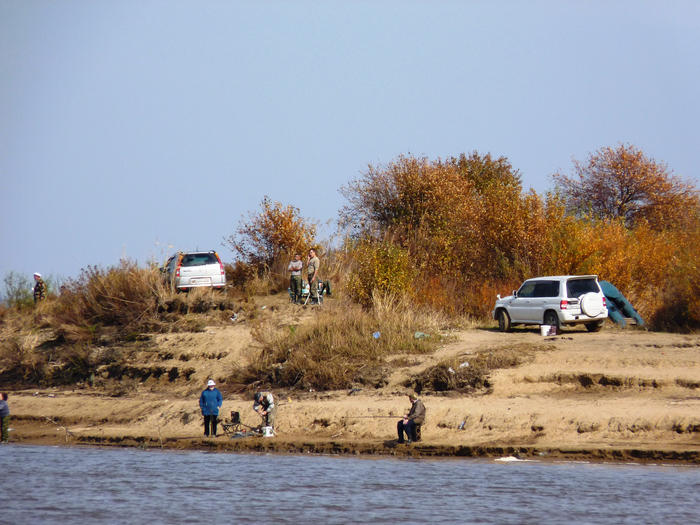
x=463 y=217
x=416 y=191
x=624 y=184
x=275 y=230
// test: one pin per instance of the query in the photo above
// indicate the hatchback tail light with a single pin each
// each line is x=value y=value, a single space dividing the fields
x=564 y=304
x=221 y=265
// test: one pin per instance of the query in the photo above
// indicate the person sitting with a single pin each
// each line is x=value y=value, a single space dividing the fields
x=414 y=418
x=265 y=406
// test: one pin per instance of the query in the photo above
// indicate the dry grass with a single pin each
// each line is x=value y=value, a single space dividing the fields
x=472 y=374
x=61 y=340
x=342 y=346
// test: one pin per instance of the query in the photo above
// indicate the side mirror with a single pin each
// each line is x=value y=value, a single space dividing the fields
x=515 y=293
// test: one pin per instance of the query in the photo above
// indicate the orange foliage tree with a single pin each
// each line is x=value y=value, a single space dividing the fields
x=275 y=230
x=623 y=183
x=463 y=218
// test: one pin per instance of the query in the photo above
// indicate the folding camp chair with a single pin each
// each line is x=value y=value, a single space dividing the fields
x=321 y=290
x=233 y=425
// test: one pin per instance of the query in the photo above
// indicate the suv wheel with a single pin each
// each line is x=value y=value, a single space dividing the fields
x=596 y=326
x=503 y=321
x=552 y=319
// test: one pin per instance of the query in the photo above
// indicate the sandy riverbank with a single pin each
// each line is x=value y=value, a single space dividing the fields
x=614 y=395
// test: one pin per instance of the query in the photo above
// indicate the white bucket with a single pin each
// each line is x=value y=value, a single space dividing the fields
x=267 y=432
x=545 y=329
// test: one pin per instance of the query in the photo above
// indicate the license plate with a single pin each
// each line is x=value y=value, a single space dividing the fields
x=202 y=280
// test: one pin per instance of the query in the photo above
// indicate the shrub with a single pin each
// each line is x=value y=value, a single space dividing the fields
x=379 y=267
x=18 y=290
x=337 y=348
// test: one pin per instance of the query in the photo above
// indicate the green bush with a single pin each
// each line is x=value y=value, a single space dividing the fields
x=18 y=290
x=379 y=267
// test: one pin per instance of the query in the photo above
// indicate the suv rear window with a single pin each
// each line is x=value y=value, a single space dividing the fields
x=578 y=287
x=547 y=289
x=539 y=289
x=198 y=259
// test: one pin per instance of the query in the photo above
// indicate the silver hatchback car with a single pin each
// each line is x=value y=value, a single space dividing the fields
x=186 y=270
x=556 y=301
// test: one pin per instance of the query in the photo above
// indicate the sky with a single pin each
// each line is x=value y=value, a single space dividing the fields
x=136 y=128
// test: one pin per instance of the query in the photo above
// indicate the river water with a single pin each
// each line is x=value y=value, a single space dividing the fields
x=73 y=485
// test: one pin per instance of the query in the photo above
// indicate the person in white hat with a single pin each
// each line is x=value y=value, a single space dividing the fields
x=210 y=402
x=39 y=288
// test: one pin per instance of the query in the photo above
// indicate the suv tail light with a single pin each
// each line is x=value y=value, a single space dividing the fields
x=564 y=304
x=605 y=303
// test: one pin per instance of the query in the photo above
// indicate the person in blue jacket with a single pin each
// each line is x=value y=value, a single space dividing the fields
x=210 y=402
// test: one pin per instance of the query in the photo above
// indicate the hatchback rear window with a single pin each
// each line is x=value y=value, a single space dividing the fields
x=578 y=287
x=198 y=259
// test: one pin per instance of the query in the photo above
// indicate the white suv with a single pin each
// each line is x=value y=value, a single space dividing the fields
x=186 y=270
x=555 y=301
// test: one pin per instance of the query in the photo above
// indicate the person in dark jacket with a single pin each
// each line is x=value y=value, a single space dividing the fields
x=415 y=416
x=39 y=288
x=210 y=402
x=4 y=418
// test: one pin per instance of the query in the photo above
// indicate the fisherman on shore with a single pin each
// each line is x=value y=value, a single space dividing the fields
x=4 y=419
x=415 y=416
x=210 y=401
x=265 y=406
x=39 y=288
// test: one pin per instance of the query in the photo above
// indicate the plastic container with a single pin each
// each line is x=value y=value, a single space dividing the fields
x=546 y=330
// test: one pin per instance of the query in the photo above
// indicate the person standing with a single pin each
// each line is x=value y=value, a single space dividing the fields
x=4 y=418
x=295 y=267
x=265 y=406
x=210 y=401
x=415 y=416
x=312 y=267
x=39 y=288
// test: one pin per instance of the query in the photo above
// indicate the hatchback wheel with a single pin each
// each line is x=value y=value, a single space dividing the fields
x=503 y=321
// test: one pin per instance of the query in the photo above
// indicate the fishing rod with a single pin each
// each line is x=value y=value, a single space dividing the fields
x=372 y=417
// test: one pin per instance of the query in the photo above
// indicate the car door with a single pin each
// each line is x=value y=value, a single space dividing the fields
x=519 y=307
x=545 y=297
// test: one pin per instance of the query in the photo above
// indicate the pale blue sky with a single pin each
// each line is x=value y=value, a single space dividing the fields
x=124 y=124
